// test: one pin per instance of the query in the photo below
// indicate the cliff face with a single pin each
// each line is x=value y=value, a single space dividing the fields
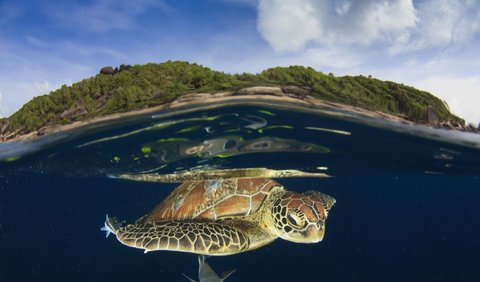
x=130 y=88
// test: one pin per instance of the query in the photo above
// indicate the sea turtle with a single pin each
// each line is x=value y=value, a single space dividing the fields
x=227 y=216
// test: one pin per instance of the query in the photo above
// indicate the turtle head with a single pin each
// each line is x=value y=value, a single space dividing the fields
x=300 y=217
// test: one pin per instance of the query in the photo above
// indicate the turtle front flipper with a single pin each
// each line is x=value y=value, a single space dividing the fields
x=207 y=238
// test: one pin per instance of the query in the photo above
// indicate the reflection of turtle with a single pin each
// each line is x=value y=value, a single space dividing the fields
x=170 y=150
x=227 y=216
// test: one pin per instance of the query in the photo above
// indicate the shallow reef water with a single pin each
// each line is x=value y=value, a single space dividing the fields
x=407 y=196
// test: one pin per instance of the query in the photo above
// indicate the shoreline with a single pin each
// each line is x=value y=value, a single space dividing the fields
x=291 y=95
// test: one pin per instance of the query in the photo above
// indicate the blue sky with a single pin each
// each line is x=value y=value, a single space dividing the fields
x=430 y=44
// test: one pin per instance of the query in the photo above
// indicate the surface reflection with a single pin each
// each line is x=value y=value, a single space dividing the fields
x=170 y=150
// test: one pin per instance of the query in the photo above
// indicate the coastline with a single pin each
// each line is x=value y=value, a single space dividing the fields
x=291 y=95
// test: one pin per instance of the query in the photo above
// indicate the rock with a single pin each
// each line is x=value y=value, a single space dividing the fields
x=432 y=117
x=67 y=113
x=4 y=127
x=125 y=67
x=301 y=92
x=107 y=71
x=73 y=113
x=446 y=124
x=9 y=136
x=159 y=94
x=471 y=127
x=256 y=90
x=112 y=71
x=453 y=124
x=42 y=131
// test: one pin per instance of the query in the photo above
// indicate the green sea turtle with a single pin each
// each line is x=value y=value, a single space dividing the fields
x=227 y=216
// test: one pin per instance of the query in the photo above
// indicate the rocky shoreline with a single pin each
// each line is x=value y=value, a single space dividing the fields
x=289 y=94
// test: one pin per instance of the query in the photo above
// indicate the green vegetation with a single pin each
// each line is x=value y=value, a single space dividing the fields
x=369 y=93
x=153 y=84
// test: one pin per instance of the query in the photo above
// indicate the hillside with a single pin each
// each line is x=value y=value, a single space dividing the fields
x=136 y=87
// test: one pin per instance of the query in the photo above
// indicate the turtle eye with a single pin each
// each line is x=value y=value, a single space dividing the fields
x=295 y=220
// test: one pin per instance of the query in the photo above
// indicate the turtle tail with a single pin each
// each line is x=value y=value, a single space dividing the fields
x=111 y=225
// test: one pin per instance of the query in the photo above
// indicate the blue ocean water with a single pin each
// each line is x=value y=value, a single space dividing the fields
x=406 y=210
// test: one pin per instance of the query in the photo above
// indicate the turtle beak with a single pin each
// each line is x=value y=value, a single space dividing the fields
x=316 y=233
x=313 y=233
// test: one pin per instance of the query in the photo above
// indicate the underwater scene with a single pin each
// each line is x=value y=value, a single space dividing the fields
x=277 y=193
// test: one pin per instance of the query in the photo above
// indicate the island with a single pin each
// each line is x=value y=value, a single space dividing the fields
x=129 y=90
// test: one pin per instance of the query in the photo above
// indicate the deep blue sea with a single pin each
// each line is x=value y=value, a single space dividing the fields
x=408 y=197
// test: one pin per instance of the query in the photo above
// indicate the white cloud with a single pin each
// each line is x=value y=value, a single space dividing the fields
x=442 y=23
x=291 y=25
x=402 y=25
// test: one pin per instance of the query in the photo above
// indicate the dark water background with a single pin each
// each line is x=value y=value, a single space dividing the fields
x=407 y=207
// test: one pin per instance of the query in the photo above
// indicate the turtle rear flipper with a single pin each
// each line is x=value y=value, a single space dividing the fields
x=207 y=238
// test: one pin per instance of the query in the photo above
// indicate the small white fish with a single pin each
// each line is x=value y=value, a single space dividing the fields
x=111 y=226
x=256 y=122
x=206 y=273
